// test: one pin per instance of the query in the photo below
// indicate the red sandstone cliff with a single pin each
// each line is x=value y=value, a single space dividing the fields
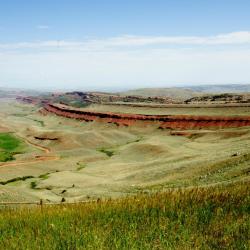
x=164 y=121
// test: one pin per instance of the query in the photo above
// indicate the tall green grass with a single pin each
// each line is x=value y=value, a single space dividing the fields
x=8 y=146
x=6 y=156
x=198 y=218
x=8 y=142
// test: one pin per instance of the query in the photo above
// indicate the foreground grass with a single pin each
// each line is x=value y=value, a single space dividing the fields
x=199 y=218
x=8 y=146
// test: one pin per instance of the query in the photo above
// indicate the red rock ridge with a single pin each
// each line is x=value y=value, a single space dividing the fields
x=164 y=121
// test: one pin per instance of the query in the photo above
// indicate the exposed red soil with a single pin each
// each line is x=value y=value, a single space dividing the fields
x=164 y=121
x=32 y=161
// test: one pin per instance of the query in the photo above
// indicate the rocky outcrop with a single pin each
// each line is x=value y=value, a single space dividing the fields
x=99 y=97
x=83 y=99
x=163 y=121
x=33 y=100
x=220 y=98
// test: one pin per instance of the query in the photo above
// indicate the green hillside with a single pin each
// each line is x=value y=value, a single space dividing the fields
x=8 y=146
x=197 y=218
x=175 y=93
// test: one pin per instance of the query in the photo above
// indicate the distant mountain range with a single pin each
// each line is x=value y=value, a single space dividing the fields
x=12 y=93
x=229 y=88
x=174 y=93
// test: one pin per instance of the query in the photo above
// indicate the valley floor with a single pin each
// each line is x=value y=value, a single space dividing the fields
x=75 y=161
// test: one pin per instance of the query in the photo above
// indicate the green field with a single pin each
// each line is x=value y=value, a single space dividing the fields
x=9 y=145
x=198 y=218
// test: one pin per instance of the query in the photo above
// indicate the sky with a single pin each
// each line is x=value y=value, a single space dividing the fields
x=123 y=44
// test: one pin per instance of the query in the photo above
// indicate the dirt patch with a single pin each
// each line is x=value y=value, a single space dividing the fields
x=36 y=160
x=231 y=134
x=4 y=130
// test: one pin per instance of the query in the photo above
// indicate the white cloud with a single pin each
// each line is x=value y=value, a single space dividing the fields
x=126 y=61
x=42 y=27
x=242 y=37
x=235 y=38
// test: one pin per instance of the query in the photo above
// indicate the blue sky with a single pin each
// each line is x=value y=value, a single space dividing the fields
x=123 y=44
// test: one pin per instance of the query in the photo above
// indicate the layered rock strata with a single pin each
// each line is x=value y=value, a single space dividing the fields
x=163 y=121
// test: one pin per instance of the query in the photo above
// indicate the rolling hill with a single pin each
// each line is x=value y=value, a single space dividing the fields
x=187 y=92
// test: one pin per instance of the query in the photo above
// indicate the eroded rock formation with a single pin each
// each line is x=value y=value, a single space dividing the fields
x=163 y=121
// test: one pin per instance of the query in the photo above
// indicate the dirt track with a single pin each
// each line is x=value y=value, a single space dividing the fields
x=40 y=159
x=37 y=159
x=45 y=149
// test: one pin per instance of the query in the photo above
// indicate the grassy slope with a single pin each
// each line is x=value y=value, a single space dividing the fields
x=8 y=146
x=175 y=93
x=228 y=111
x=199 y=218
x=189 y=91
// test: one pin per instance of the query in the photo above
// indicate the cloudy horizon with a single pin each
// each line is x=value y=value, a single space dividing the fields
x=89 y=57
